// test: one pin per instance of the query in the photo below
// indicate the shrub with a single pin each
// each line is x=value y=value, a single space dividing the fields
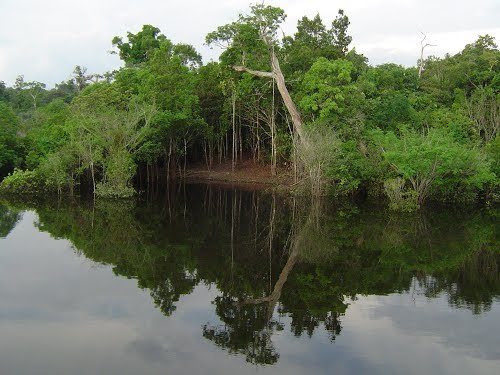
x=434 y=164
x=331 y=165
x=400 y=199
x=22 y=182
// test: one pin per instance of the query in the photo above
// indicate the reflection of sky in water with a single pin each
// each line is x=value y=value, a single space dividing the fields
x=62 y=314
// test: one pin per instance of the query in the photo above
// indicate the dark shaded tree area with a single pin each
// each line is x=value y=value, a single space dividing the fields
x=8 y=220
x=307 y=105
x=256 y=250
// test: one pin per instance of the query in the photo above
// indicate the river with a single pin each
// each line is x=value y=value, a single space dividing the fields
x=210 y=280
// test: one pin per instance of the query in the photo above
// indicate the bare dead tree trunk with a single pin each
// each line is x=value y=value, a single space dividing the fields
x=275 y=295
x=210 y=154
x=92 y=171
x=219 y=145
x=169 y=159
x=33 y=97
x=422 y=47
x=277 y=74
x=484 y=112
x=240 y=138
x=226 y=148
x=273 y=147
x=205 y=154
x=233 y=151
x=289 y=103
x=254 y=144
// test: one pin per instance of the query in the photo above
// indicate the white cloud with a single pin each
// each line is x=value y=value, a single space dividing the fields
x=45 y=40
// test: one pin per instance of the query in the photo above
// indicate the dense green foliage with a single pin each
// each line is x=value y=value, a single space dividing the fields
x=8 y=141
x=382 y=130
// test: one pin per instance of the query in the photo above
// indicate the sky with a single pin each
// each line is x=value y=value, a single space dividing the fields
x=45 y=40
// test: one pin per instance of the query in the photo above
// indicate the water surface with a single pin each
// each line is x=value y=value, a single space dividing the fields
x=206 y=280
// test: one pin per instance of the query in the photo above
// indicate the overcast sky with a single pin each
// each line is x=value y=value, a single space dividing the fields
x=45 y=40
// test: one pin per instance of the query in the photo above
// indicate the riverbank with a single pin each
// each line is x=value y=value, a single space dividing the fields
x=246 y=175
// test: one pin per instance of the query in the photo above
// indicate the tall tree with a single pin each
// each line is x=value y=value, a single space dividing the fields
x=8 y=142
x=138 y=47
x=311 y=41
x=34 y=89
x=4 y=95
x=80 y=77
x=247 y=41
x=338 y=31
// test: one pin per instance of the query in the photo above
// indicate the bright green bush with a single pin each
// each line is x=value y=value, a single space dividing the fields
x=492 y=150
x=400 y=198
x=434 y=164
x=333 y=167
x=22 y=182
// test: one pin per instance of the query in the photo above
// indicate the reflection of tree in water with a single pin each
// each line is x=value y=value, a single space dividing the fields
x=335 y=256
x=115 y=233
x=245 y=330
x=473 y=284
x=457 y=255
x=312 y=299
x=8 y=220
x=271 y=256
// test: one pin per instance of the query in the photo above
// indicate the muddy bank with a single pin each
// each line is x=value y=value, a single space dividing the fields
x=246 y=175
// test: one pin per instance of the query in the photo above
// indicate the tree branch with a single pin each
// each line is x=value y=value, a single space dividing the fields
x=257 y=73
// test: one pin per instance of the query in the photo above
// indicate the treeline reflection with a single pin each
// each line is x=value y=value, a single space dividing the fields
x=271 y=255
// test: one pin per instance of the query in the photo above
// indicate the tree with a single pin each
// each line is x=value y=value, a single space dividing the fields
x=113 y=126
x=188 y=55
x=475 y=67
x=33 y=88
x=209 y=89
x=4 y=94
x=421 y=60
x=310 y=42
x=391 y=91
x=65 y=90
x=8 y=141
x=328 y=94
x=168 y=82
x=483 y=109
x=338 y=33
x=239 y=38
x=139 y=46
x=45 y=132
x=80 y=77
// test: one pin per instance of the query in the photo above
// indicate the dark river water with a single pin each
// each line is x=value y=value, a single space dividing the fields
x=209 y=280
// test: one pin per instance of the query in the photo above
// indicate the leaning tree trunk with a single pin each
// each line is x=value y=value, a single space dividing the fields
x=277 y=74
x=287 y=99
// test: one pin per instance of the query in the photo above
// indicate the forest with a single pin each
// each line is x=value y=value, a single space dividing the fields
x=307 y=106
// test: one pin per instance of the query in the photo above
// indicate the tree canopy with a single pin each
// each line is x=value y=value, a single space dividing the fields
x=306 y=105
